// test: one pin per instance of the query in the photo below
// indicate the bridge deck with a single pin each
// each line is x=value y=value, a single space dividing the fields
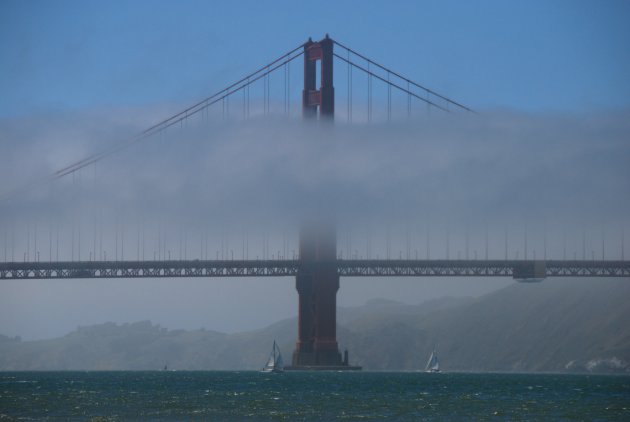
x=345 y=268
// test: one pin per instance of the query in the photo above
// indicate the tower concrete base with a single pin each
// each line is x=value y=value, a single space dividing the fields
x=322 y=368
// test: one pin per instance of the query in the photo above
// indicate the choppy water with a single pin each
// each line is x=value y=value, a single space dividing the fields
x=185 y=396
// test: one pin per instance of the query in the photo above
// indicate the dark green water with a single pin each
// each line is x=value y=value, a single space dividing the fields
x=185 y=396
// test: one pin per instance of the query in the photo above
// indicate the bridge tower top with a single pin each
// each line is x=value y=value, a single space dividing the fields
x=324 y=97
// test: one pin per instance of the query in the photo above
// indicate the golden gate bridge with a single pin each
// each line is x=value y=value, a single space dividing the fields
x=317 y=267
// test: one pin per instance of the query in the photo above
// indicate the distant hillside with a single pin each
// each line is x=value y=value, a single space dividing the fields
x=557 y=325
x=570 y=325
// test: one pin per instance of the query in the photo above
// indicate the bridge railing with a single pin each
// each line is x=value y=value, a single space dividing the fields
x=518 y=269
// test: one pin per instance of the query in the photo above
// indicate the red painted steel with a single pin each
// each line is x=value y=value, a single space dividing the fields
x=322 y=98
x=317 y=281
x=317 y=284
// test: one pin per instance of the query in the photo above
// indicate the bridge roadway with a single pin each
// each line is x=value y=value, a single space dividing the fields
x=518 y=269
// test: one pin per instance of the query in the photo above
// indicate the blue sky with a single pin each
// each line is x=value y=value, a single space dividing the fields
x=535 y=56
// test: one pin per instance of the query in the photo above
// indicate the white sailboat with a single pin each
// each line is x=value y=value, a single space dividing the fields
x=432 y=365
x=274 y=364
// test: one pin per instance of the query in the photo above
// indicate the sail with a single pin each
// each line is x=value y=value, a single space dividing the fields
x=271 y=363
x=433 y=365
x=279 y=363
x=428 y=365
x=275 y=362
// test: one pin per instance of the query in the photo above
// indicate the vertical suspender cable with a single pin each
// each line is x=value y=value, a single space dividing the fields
x=268 y=92
x=348 y=87
x=74 y=215
x=486 y=239
x=506 y=243
x=408 y=102
x=122 y=237
x=389 y=99
x=369 y=93
x=138 y=241
x=289 y=89
x=116 y=239
x=350 y=83
x=448 y=243
x=95 y=222
x=428 y=243
x=52 y=184
x=247 y=98
x=545 y=240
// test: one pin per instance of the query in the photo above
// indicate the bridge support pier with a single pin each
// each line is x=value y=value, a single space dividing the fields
x=317 y=340
x=317 y=284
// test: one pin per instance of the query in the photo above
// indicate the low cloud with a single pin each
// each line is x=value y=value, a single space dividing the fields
x=494 y=169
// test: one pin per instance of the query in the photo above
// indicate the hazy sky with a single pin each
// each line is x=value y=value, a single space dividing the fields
x=548 y=151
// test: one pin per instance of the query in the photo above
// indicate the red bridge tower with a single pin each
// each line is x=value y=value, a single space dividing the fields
x=317 y=282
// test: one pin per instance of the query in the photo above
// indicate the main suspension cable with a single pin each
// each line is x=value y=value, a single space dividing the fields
x=242 y=83
x=402 y=77
x=370 y=73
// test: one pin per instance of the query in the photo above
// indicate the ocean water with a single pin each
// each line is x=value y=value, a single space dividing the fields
x=317 y=396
